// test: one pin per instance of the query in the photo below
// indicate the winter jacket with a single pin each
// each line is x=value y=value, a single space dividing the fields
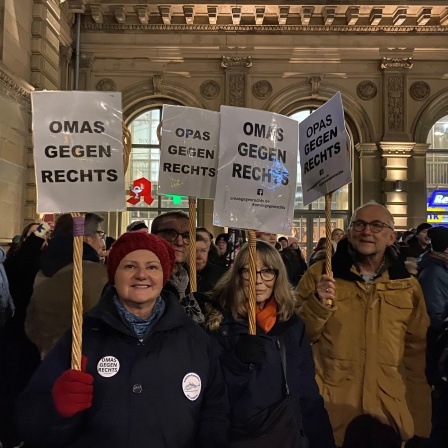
x=49 y=313
x=434 y=282
x=413 y=249
x=253 y=387
x=433 y=279
x=149 y=401
x=209 y=276
x=370 y=347
x=21 y=268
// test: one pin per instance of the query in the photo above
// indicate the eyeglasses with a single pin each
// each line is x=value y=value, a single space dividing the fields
x=171 y=235
x=101 y=233
x=266 y=274
x=375 y=226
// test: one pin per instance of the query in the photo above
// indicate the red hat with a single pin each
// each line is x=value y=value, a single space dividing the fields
x=131 y=241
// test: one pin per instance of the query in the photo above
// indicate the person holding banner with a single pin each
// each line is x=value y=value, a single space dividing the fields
x=368 y=323
x=149 y=377
x=273 y=369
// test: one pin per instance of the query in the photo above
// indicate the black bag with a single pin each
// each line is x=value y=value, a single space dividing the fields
x=279 y=425
x=275 y=426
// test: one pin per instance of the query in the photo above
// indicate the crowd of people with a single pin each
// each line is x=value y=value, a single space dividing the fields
x=355 y=357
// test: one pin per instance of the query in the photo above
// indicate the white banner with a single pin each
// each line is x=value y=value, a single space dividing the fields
x=324 y=151
x=189 y=152
x=78 y=151
x=257 y=172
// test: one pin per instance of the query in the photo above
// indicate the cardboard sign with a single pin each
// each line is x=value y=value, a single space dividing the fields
x=188 y=152
x=257 y=171
x=324 y=151
x=78 y=151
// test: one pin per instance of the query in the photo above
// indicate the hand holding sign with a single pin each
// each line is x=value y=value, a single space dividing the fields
x=325 y=161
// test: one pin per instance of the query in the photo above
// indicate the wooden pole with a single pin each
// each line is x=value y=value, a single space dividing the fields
x=192 y=219
x=192 y=228
x=252 y=303
x=78 y=238
x=329 y=245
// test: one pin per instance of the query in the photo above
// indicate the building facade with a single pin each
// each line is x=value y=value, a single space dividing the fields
x=389 y=61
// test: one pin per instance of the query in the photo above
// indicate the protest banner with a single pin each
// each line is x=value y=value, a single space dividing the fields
x=325 y=159
x=189 y=161
x=78 y=151
x=188 y=152
x=79 y=156
x=257 y=171
x=324 y=151
x=257 y=175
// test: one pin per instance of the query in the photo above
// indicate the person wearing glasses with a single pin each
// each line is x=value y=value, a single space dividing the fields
x=368 y=324
x=174 y=227
x=49 y=313
x=253 y=365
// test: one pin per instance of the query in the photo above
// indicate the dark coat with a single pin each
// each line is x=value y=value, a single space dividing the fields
x=413 y=249
x=434 y=282
x=291 y=271
x=21 y=268
x=254 y=387
x=209 y=276
x=144 y=403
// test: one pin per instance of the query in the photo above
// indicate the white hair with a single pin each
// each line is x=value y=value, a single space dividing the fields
x=390 y=218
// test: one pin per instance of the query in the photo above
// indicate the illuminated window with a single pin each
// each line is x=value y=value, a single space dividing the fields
x=437 y=156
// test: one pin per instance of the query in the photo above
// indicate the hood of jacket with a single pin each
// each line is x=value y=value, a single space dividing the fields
x=429 y=260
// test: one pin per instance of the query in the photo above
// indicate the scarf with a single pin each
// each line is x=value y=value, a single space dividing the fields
x=180 y=281
x=267 y=316
x=5 y=296
x=439 y=255
x=141 y=327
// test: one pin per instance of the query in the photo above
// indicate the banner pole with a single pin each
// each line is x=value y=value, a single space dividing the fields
x=78 y=238
x=127 y=147
x=192 y=219
x=192 y=228
x=329 y=245
x=252 y=304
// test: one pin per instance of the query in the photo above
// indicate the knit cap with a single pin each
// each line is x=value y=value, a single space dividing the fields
x=291 y=240
x=222 y=236
x=131 y=241
x=439 y=238
x=423 y=226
